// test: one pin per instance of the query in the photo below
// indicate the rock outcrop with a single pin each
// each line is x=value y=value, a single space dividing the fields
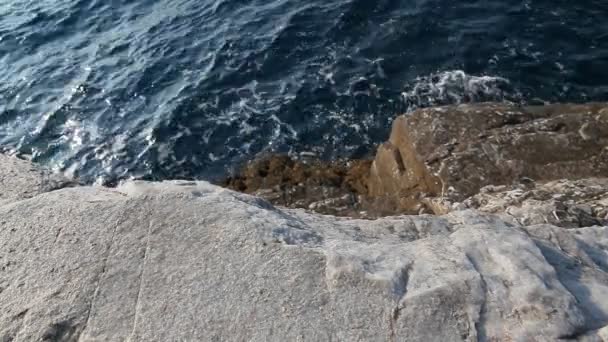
x=454 y=151
x=444 y=155
x=563 y=203
x=19 y=179
x=333 y=188
x=191 y=261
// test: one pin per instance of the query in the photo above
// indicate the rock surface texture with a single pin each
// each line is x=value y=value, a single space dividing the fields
x=19 y=179
x=454 y=151
x=177 y=261
x=334 y=188
x=564 y=203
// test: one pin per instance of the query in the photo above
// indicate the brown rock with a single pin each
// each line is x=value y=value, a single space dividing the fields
x=437 y=157
x=326 y=187
x=453 y=151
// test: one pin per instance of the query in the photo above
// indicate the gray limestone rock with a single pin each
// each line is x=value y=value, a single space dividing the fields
x=564 y=203
x=177 y=261
x=21 y=179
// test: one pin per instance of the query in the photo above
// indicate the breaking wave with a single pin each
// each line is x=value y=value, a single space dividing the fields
x=455 y=87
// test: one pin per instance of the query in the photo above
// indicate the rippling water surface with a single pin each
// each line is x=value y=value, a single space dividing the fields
x=110 y=89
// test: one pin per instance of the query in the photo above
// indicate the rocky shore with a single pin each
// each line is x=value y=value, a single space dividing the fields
x=439 y=156
x=509 y=241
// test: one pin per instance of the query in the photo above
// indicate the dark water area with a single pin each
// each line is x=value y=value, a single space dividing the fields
x=158 y=89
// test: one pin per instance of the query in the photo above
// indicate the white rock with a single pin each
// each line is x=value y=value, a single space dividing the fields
x=20 y=179
x=190 y=261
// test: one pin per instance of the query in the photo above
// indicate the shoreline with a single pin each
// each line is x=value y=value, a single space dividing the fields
x=440 y=156
x=188 y=260
x=437 y=159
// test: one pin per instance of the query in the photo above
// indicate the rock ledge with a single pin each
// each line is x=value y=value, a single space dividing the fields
x=193 y=261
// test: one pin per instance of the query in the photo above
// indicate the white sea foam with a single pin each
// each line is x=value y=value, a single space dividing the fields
x=453 y=87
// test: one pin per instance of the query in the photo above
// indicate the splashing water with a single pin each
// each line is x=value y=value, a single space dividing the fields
x=454 y=87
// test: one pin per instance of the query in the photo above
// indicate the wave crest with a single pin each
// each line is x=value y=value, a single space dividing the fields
x=454 y=87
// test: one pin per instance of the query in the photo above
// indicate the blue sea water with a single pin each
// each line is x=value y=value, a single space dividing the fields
x=112 y=89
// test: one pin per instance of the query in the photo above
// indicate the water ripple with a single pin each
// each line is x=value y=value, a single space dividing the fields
x=181 y=88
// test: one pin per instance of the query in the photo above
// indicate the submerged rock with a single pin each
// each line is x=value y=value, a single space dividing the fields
x=192 y=261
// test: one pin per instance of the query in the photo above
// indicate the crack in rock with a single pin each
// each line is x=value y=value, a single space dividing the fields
x=98 y=280
x=21 y=318
x=401 y=290
x=479 y=324
x=141 y=281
